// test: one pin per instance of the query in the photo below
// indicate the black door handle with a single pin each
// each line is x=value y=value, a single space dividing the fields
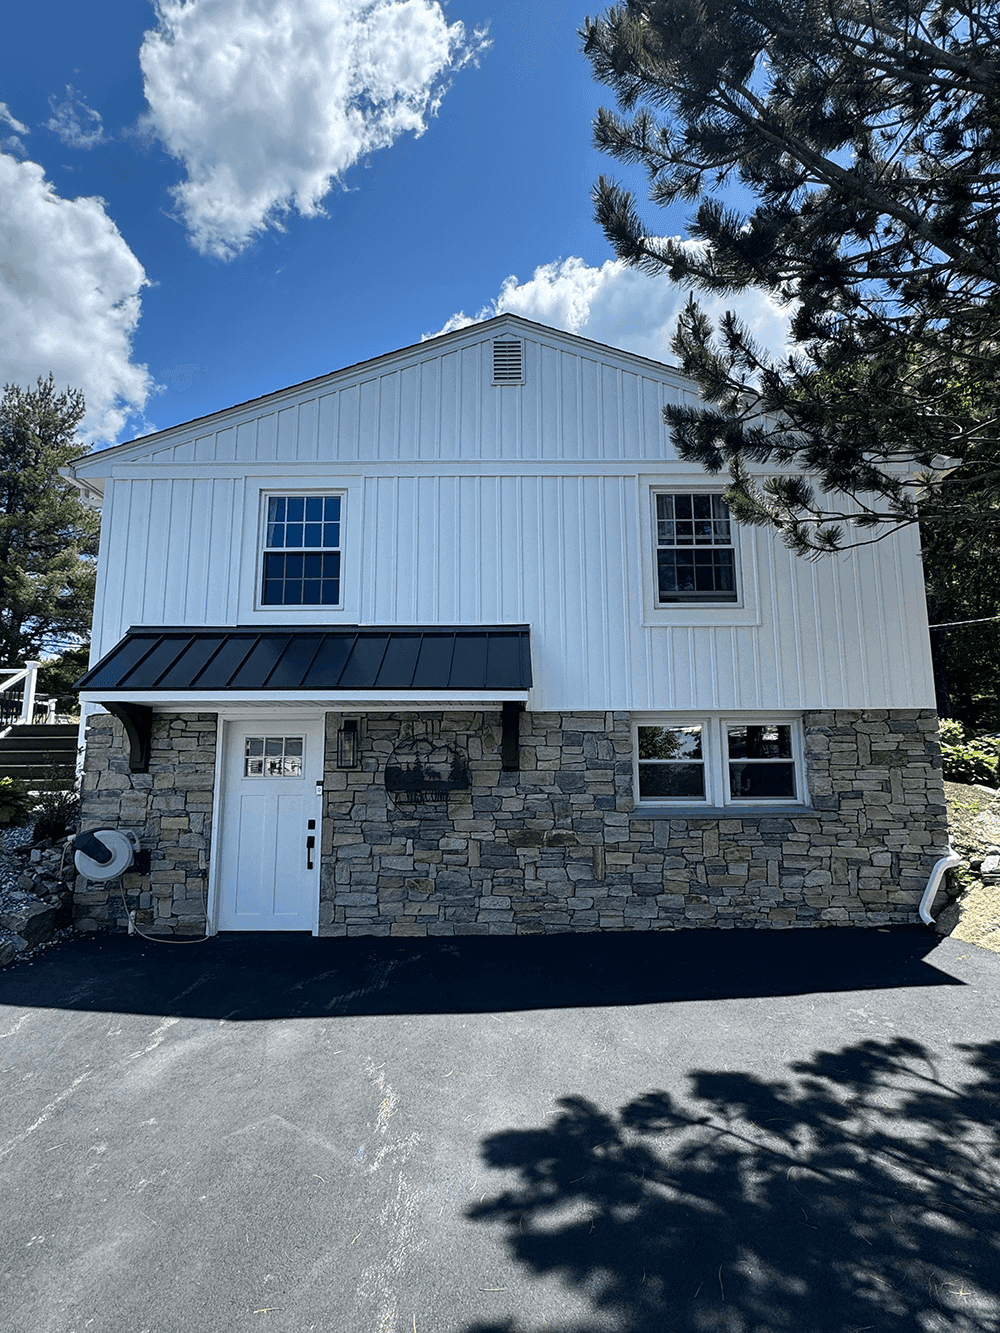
x=310 y=844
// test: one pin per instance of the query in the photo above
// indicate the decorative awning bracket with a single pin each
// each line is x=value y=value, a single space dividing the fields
x=510 y=737
x=137 y=720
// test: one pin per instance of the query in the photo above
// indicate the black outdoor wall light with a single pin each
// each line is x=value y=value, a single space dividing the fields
x=348 y=744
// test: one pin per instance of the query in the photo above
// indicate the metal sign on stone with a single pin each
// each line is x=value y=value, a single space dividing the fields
x=425 y=772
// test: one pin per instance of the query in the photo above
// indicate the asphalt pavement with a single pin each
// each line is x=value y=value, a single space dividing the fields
x=692 y=1132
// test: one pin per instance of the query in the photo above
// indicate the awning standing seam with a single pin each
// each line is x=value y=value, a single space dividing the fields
x=316 y=658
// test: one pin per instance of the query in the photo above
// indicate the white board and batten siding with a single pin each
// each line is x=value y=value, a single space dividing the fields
x=470 y=503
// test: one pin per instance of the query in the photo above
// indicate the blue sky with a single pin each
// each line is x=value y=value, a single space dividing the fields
x=210 y=200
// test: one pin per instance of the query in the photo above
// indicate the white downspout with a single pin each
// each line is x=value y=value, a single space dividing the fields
x=934 y=883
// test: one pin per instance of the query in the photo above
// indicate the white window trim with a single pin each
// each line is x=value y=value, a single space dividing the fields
x=744 y=611
x=716 y=760
x=314 y=611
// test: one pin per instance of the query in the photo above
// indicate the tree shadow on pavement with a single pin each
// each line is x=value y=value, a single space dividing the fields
x=861 y=1193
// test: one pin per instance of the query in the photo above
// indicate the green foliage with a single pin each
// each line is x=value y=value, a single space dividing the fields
x=48 y=537
x=951 y=731
x=962 y=578
x=869 y=133
x=56 y=814
x=16 y=803
x=967 y=761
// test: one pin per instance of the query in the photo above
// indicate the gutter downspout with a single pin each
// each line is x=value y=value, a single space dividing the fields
x=934 y=883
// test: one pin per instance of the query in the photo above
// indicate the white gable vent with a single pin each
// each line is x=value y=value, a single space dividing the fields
x=508 y=361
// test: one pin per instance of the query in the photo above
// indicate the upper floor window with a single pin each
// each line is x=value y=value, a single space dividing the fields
x=695 y=554
x=301 y=556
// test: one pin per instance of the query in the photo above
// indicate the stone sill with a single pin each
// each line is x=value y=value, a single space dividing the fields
x=720 y=812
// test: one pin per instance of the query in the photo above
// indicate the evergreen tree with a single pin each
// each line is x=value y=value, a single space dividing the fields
x=963 y=596
x=48 y=537
x=869 y=133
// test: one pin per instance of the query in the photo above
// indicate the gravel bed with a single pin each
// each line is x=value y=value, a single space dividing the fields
x=12 y=897
x=11 y=866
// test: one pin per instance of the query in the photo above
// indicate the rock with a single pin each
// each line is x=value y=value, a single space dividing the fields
x=7 y=952
x=33 y=923
x=947 y=919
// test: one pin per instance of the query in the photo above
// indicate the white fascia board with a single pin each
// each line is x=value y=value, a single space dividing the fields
x=211 y=700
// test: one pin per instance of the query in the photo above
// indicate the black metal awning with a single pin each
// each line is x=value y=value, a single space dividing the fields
x=315 y=659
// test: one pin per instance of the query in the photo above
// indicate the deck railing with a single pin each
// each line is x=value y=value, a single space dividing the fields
x=17 y=696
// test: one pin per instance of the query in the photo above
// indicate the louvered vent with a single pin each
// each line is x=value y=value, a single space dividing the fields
x=508 y=366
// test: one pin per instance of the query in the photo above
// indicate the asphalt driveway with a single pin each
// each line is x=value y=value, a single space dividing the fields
x=702 y=1131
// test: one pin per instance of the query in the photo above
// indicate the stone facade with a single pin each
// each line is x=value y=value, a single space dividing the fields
x=559 y=846
x=169 y=808
x=556 y=846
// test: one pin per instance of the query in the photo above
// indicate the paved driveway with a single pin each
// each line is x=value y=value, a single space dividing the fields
x=702 y=1131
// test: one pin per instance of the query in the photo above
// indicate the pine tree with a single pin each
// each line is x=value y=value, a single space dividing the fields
x=48 y=537
x=868 y=132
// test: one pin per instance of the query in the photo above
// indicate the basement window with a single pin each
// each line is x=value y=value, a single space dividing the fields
x=719 y=761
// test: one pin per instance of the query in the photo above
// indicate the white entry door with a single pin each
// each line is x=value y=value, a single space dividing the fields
x=268 y=859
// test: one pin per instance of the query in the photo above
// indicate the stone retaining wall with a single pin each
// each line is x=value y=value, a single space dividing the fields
x=554 y=847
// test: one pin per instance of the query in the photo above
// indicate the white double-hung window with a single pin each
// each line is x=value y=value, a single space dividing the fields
x=719 y=761
x=695 y=552
x=300 y=560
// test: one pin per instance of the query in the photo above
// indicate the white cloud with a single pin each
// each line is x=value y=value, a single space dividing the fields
x=12 y=144
x=9 y=119
x=268 y=102
x=69 y=299
x=70 y=117
x=621 y=306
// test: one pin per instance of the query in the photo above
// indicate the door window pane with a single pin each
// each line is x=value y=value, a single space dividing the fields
x=273 y=756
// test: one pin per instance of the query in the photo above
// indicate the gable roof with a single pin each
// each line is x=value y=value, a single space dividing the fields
x=93 y=464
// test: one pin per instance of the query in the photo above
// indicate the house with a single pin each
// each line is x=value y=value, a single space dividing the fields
x=450 y=642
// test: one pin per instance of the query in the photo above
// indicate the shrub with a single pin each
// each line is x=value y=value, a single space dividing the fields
x=967 y=761
x=56 y=814
x=951 y=730
x=16 y=803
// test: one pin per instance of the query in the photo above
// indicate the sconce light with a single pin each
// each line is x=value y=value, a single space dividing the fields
x=348 y=744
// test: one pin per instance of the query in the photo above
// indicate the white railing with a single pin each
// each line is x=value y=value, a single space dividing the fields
x=14 y=676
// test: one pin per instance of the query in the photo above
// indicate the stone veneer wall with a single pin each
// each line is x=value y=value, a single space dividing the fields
x=557 y=846
x=169 y=808
x=554 y=847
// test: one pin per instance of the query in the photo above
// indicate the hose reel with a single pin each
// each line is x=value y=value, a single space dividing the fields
x=103 y=854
